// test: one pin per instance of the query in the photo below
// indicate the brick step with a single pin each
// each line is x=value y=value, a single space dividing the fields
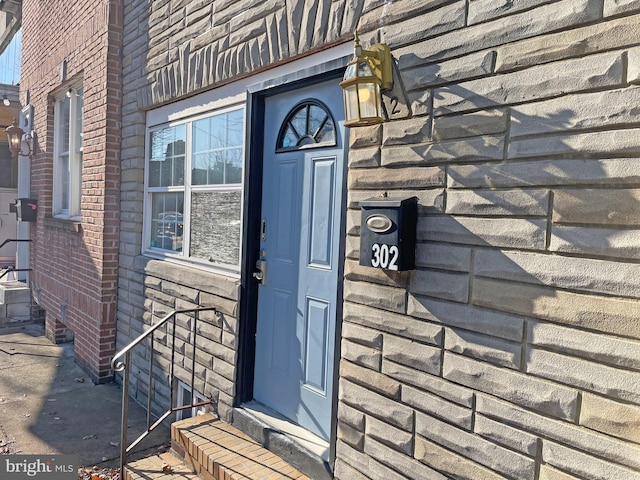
x=218 y=451
x=159 y=467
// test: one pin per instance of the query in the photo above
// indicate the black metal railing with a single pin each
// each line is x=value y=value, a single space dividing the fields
x=6 y=270
x=121 y=362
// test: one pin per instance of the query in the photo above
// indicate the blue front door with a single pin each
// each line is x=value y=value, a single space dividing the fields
x=302 y=199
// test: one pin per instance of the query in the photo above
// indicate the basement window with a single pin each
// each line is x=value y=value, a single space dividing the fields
x=188 y=397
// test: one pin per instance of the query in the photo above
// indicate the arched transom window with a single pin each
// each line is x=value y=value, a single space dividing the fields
x=308 y=125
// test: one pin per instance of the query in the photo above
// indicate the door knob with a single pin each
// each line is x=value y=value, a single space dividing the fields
x=261 y=271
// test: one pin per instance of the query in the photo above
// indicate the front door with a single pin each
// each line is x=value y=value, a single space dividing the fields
x=302 y=197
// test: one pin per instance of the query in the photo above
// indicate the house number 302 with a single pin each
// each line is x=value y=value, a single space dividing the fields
x=384 y=256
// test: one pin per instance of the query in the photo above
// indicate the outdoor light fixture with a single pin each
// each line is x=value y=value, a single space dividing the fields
x=6 y=100
x=367 y=74
x=69 y=92
x=14 y=134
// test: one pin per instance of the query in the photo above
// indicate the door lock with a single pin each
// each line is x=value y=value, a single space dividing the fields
x=261 y=271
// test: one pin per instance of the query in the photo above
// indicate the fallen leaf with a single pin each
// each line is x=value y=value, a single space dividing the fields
x=114 y=444
x=166 y=468
x=79 y=379
x=88 y=437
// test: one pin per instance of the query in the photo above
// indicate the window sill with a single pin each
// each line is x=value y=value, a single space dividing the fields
x=64 y=224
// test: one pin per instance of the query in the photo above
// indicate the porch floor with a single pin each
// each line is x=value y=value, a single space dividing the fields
x=214 y=450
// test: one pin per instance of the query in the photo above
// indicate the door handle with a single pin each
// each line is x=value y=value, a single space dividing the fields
x=261 y=271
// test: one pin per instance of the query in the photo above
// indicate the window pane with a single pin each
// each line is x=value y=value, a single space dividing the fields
x=64 y=182
x=78 y=119
x=217 y=149
x=215 y=226
x=167 y=222
x=63 y=131
x=166 y=159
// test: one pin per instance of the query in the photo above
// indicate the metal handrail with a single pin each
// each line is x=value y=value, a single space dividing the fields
x=123 y=366
x=14 y=240
x=11 y=269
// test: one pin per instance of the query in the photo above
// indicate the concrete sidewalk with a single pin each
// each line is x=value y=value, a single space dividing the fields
x=48 y=404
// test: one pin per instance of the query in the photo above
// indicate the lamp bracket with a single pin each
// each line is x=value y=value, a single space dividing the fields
x=380 y=55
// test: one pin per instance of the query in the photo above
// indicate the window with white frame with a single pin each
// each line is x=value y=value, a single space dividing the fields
x=188 y=397
x=194 y=189
x=67 y=168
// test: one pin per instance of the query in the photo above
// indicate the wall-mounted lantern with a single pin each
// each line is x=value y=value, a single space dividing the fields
x=367 y=74
x=15 y=135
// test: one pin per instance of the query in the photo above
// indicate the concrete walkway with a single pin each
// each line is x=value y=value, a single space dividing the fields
x=48 y=405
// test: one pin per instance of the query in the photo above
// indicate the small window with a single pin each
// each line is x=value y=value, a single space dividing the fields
x=188 y=397
x=308 y=125
x=67 y=167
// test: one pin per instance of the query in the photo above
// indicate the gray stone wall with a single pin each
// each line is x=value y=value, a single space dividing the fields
x=513 y=349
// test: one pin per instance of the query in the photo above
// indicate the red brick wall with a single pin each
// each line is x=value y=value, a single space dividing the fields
x=75 y=265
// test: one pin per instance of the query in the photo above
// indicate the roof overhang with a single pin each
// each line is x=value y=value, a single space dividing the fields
x=10 y=21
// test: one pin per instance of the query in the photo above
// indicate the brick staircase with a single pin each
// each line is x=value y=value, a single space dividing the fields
x=207 y=448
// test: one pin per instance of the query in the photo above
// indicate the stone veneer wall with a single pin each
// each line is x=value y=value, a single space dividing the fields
x=512 y=351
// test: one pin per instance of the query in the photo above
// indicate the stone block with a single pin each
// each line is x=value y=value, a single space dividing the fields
x=364 y=157
x=576 y=112
x=364 y=463
x=362 y=335
x=404 y=464
x=498 y=203
x=545 y=172
x=483 y=10
x=431 y=383
x=429 y=200
x=18 y=311
x=437 y=407
x=360 y=273
x=365 y=137
x=467 y=317
x=476 y=448
x=589 y=376
x=573 y=273
x=378 y=296
x=401 y=325
x=413 y=27
x=482 y=123
x=547 y=472
x=482 y=347
x=580 y=438
x=445 y=285
x=430 y=75
x=449 y=463
x=615 y=243
x=343 y=471
x=351 y=416
x=496 y=232
x=591 y=206
x=551 y=399
x=386 y=179
x=583 y=465
x=371 y=379
x=388 y=435
x=505 y=435
x=459 y=150
x=412 y=354
x=633 y=69
x=443 y=257
x=350 y=436
x=14 y=292
x=596 y=347
x=615 y=142
x=531 y=23
x=614 y=7
x=404 y=132
x=362 y=355
x=376 y=405
x=539 y=82
x=605 y=314
x=613 y=418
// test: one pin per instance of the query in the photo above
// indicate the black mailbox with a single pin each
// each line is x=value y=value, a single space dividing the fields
x=388 y=233
x=26 y=209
